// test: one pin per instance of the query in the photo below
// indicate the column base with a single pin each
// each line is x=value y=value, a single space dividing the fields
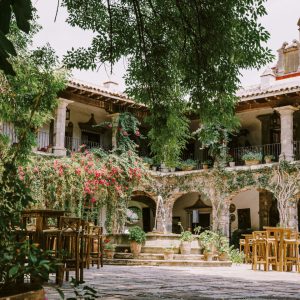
x=283 y=156
x=59 y=151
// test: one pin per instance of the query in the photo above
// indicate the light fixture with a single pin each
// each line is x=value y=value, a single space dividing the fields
x=68 y=114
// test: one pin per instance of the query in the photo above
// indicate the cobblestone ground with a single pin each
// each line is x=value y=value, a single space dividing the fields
x=237 y=282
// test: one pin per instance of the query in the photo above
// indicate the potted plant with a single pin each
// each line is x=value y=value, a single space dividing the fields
x=148 y=161
x=230 y=160
x=188 y=165
x=186 y=238
x=169 y=253
x=208 y=242
x=137 y=237
x=269 y=158
x=252 y=158
x=223 y=248
x=109 y=249
x=206 y=164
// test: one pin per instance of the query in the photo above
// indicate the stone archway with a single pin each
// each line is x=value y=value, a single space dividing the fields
x=141 y=211
x=253 y=208
x=192 y=209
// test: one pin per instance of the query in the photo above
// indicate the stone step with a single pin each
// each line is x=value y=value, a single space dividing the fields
x=176 y=263
x=158 y=256
x=161 y=250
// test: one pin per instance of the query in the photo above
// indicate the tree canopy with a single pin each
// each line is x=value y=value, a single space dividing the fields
x=182 y=55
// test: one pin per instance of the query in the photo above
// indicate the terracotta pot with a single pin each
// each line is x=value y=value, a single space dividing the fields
x=208 y=256
x=168 y=255
x=187 y=168
x=223 y=256
x=30 y=295
x=109 y=254
x=251 y=162
x=185 y=248
x=135 y=248
x=268 y=160
x=205 y=167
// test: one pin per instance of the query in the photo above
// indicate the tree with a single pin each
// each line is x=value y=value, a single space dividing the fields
x=27 y=100
x=22 y=12
x=183 y=55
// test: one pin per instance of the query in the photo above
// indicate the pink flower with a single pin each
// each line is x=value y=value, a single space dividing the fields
x=109 y=126
x=125 y=133
x=78 y=171
x=93 y=200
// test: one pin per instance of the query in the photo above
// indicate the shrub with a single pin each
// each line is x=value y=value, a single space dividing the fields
x=252 y=156
x=137 y=234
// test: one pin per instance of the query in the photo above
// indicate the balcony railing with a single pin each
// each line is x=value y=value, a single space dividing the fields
x=268 y=149
x=73 y=144
x=8 y=130
x=297 y=150
x=43 y=140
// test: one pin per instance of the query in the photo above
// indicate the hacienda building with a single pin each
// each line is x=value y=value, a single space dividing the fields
x=270 y=124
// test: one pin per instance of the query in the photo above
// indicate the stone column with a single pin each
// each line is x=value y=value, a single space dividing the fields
x=293 y=215
x=60 y=127
x=221 y=219
x=286 y=134
x=265 y=128
x=115 y=124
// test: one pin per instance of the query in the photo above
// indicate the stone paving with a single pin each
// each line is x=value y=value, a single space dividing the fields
x=150 y=283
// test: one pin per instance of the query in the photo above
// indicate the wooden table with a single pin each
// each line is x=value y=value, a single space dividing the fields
x=42 y=216
x=280 y=235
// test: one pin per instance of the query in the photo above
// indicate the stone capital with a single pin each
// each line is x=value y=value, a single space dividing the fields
x=63 y=103
x=286 y=110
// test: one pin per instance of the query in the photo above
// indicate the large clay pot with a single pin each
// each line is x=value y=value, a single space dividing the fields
x=109 y=254
x=208 y=256
x=223 y=256
x=168 y=255
x=135 y=248
x=29 y=295
x=185 y=248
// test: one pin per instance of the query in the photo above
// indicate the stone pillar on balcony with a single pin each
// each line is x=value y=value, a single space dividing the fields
x=115 y=124
x=286 y=134
x=265 y=129
x=60 y=127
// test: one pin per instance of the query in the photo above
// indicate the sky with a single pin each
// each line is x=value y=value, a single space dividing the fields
x=281 y=22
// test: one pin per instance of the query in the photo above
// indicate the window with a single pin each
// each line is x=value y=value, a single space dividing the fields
x=291 y=61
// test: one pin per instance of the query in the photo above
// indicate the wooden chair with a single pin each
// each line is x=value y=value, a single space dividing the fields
x=259 y=250
x=96 y=246
x=69 y=241
x=291 y=245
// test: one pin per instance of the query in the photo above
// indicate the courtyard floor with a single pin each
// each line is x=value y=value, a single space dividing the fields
x=237 y=282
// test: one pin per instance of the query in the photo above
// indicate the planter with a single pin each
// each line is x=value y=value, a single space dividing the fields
x=187 y=168
x=223 y=256
x=147 y=166
x=172 y=169
x=208 y=256
x=154 y=168
x=168 y=255
x=231 y=164
x=185 y=248
x=109 y=254
x=135 y=248
x=24 y=292
x=268 y=160
x=251 y=162
x=205 y=167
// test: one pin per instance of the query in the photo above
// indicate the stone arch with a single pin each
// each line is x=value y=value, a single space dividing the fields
x=192 y=209
x=252 y=207
x=143 y=206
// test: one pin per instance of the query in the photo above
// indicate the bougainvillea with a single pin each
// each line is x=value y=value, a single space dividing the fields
x=84 y=183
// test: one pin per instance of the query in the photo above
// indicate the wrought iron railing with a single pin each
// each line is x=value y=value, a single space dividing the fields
x=8 y=130
x=43 y=140
x=74 y=144
x=297 y=150
x=268 y=149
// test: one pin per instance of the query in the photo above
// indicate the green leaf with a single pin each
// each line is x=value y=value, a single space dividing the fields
x=6 y=44
x=13 y=270
x=5 y=15
x=23 y=12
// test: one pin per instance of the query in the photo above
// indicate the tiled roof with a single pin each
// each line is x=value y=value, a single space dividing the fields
x=277 y=88
x=93 y=88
